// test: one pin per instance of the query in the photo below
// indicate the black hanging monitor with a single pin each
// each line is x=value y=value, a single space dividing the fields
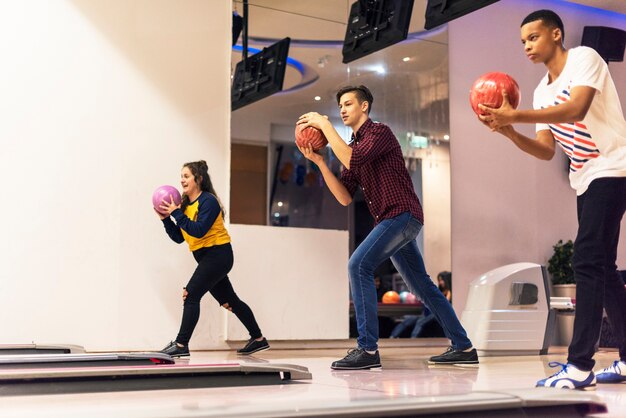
x=608 y=42
x=237 y=27
x=260 y=75
x=439 y=12
x=374 y=25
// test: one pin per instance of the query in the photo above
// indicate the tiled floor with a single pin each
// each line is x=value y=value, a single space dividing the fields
x=405 y=377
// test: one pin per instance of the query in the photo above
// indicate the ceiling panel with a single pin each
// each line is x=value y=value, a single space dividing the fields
x=618 y=6
x=401 y=88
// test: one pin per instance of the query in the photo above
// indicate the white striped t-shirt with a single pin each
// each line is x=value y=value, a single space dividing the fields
x=596 y=145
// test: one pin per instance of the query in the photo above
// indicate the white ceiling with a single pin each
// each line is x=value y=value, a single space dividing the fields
x=308 y=19
x=618 y=6
x=409 y=96
x=404 y=88
x=326 y=19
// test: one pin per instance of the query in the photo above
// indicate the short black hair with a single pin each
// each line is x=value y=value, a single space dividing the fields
x=548 y=17
x=363 y=94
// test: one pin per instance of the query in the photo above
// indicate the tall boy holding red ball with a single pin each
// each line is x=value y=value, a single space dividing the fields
x=577 y=107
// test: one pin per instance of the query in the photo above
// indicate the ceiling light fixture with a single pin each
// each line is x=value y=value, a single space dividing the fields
x=322 y=61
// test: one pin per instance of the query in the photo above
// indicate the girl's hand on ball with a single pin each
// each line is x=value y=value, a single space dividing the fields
x=169 y=207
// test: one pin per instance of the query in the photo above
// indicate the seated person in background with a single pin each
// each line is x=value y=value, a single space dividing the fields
x=444 y=282
x=416 y=323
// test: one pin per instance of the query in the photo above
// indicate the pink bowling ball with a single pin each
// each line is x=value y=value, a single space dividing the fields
x=163 y=193
x=410 y=298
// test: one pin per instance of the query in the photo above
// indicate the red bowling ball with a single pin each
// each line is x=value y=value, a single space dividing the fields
x=310 y=135
x=487 y=91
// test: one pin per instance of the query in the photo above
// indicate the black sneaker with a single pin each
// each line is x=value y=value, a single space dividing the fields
x=452 y=356
x=254 y=346
x=175 y=350
x=357 y=359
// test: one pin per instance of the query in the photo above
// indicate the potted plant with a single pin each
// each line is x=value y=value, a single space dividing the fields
x=563 y=284
x=560 y=269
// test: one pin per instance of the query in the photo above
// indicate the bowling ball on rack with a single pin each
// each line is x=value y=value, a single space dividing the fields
x=403 y=296
x=391 y=297
x=410 y=298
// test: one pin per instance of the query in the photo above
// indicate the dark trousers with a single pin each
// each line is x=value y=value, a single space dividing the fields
x=598 y=283
x=214 y=263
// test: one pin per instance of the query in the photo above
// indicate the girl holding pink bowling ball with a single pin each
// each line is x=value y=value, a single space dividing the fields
x=199 y=221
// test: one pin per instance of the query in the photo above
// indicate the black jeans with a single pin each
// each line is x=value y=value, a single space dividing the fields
x=598 y=283
x=211 y=275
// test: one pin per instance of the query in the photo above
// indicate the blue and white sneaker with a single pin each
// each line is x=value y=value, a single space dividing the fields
x=570 y=377
x=615 y=373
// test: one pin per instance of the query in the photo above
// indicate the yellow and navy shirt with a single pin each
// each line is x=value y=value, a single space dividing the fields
x=201 y=224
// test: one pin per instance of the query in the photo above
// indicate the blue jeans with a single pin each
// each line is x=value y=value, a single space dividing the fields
x=395 y=238
x=414 y=322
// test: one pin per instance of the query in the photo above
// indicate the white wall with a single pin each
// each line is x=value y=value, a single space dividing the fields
x=253 y=128
x=436 y=205
x=294 y=279
x=434 y=183
x=101 y=102
x=507 y=206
